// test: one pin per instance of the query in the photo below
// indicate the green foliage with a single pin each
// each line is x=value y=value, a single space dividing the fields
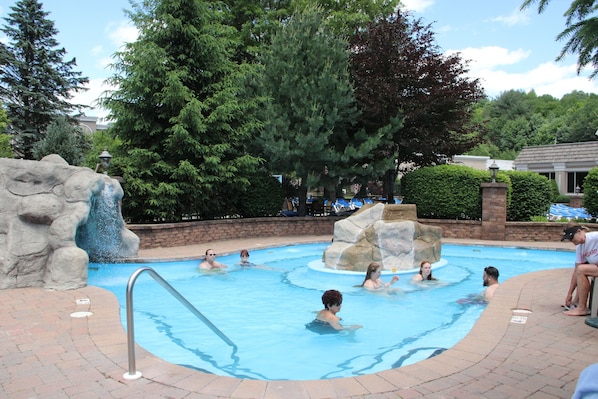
x=516 y=119
x=531 y=194
x=263 y=197
x=448 y=191
x=257 y=21
x=590 y=190
x=311 y=116
x=5 y=148
x=36 y=84
x=182 y=112
x=65 y=139
x=103 y=140
x=563 y=199
x=581 y=32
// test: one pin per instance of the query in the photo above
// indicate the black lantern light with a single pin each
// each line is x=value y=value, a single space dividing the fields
x=105 y=159
x=493 y=171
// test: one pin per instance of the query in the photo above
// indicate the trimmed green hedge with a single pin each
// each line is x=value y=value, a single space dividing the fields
x=448 y=191
x=531 y=196
x=454 y=192
x=590 y=192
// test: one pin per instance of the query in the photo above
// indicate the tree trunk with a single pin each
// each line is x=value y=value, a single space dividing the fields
x=302 y=191
x=389 y=185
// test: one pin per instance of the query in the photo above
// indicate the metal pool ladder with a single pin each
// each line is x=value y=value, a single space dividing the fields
x=133 y=374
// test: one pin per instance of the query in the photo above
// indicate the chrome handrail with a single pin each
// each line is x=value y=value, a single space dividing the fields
x=134 y=374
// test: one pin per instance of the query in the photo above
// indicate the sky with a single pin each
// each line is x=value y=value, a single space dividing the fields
x=506 y=48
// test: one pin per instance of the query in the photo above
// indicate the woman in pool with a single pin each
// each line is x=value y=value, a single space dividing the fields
x=245 y=259
x=372 y=279
x=332 y=301
x=425 y=273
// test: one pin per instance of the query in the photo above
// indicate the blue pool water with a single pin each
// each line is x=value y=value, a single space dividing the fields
x=264 y=311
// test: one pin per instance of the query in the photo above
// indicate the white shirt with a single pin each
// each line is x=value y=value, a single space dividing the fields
x=588 y=251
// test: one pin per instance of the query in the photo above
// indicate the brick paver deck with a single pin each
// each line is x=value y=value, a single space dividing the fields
x=47 y=353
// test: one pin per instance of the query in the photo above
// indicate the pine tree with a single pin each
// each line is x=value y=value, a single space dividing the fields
x=36 y=83
x=181 y=111
x=310 y=127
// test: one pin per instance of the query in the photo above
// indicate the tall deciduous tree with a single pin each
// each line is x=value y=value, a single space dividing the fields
x=399 y=72
x=181 y=112
x=581 y=31
x=36 y=83
x=310 y=120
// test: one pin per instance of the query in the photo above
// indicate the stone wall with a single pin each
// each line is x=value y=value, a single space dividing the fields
x=190 y=233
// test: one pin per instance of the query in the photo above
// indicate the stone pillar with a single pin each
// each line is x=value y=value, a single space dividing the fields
x=494 y=211
x=576 y=201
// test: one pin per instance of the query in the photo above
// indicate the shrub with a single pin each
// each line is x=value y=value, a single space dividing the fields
x=590 y=192
x=563 y=199
x=264 y=197
x=531 y=195
x=448 y=191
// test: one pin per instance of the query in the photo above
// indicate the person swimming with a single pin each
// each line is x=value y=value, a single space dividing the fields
x=332 y=301
x=425 y=273
x=245 y=259
x=372 y=279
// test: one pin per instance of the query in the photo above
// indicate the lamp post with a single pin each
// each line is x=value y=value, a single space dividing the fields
x=493 y=171
x=105 y=159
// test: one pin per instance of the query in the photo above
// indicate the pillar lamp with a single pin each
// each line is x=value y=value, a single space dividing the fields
x=493 y=171
x=105 y=159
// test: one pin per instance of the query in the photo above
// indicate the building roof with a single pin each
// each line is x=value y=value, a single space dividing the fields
x=586 y=152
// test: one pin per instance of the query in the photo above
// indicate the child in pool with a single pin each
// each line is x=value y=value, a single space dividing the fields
x=245 y=259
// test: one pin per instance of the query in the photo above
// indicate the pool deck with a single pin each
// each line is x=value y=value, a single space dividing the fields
x=47 y=353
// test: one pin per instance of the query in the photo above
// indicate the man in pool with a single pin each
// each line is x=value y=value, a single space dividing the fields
x=490 y=282
x=332 y=300
x=210 y=261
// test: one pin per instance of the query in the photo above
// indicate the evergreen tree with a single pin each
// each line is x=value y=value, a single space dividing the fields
x=36 y=83
x=182 y=112
x=309 y=122
x=65 y=139
x=581 y=32
x=5 y=148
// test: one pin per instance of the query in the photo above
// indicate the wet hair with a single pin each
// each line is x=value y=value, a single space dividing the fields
x=332 y=297
x=208 y=250
x=371 y=269
x=244 y=252
x=491 y=271
x=421 y=265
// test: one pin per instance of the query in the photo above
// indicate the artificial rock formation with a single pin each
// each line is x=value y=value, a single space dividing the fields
x=45 y=207
x=387 y=234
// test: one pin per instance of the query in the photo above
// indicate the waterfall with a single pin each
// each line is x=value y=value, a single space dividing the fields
x=101 y=235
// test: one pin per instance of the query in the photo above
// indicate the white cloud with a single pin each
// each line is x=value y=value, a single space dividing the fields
x=517 y=17
x=90 y=97
x=490 y=56
x=416 y=5
x=121 y=33
x=97 y=50
x=548 y=78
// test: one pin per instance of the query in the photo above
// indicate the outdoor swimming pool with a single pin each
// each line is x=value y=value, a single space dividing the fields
x=264 y=311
